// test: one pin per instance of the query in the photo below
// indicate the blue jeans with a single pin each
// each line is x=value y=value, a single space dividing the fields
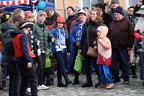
x=122 y=55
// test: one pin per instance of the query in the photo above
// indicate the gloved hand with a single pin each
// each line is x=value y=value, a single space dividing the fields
x=38 y=42
x=56 y=47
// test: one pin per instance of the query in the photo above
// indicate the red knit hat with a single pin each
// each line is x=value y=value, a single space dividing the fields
x=60 y=19
x=26 y=14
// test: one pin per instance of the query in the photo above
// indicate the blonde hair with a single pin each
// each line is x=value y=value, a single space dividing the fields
x=41 y=13
x=15 y=12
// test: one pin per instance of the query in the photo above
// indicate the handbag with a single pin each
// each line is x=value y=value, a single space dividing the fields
x=78 y=63
x=91 y=52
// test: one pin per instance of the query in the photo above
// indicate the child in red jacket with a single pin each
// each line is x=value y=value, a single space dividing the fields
x=24 y=57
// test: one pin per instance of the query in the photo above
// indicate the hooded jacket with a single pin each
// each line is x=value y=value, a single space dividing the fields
x=104 y=47
x=7 y=54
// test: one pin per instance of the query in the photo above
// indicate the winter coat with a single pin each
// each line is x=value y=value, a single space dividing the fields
x=69 y=21
x=21 y=47
x=90 y=29
x=133 y=19
x=54 y=31
x=7 y=54
x=121 y=33
x=49 y=21
x=107 y=18
x=44 y=36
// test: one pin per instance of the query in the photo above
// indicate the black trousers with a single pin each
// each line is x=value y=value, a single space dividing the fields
x=87 y=61
x=40 y=69
x=15 y=78
x=28 y=77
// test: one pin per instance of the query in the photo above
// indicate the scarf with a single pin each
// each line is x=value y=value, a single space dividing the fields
x=61 y=38
x=79 y=32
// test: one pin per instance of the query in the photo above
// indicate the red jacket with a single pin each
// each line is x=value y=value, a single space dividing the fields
x=17 y=47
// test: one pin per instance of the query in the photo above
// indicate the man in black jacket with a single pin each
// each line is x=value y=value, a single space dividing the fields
x=51 y=17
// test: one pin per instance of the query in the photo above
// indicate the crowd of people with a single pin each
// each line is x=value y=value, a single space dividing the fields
x=31 y=42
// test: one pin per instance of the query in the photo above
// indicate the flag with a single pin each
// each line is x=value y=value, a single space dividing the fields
x=15 y=2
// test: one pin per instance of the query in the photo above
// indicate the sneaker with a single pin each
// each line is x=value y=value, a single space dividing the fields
x=126 y=82
x=7 y=77
x=110 y=86
x=43 y=87
x=29 y=90
x=38 y=88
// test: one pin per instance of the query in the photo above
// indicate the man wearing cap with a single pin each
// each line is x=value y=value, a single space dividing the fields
x=75 y=37
x=138 y=33
x=115 y=4
x=121 y=34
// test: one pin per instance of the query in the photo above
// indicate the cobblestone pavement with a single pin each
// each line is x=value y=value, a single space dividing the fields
x=135 y=88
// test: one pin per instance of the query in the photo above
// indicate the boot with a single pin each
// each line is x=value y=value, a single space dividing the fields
x=60 y=83
x=89 y=79
x=66 y=78
x=88 y=83
x=134 y=71
x=76 y=80
x=48 y=82
x=3 y=83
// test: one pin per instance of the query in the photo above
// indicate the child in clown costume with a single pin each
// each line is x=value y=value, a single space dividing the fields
x=104 y=58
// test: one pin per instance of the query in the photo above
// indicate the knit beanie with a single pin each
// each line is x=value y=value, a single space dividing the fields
x=118 y=10
x=41 y=13
x=114 y=1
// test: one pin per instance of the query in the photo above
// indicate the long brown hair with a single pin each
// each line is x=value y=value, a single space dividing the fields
x=55 y=25
x=98 y=17
x=15 y=12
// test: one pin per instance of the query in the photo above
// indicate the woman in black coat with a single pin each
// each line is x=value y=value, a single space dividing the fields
x=89 y=35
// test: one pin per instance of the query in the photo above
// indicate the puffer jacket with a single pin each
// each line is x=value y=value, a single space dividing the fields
x=44 y=36
x=7 y=28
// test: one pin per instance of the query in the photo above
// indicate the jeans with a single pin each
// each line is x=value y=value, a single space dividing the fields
x=122 y=54
x=15 y=78
x=60 y=61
